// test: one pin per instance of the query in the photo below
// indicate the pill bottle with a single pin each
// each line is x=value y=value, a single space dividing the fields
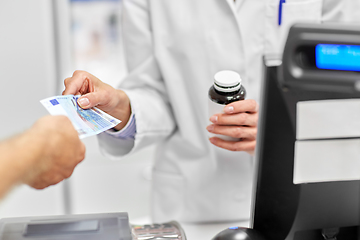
x=227 y=88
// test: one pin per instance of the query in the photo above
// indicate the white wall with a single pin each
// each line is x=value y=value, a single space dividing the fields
x=27 y=75
x=27 y=62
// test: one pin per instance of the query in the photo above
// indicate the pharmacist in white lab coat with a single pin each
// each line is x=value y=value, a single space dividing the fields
x=173 y=49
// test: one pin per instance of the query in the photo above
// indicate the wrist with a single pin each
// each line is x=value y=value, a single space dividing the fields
x=18 y=157
x=33 y=143
x=122 y=111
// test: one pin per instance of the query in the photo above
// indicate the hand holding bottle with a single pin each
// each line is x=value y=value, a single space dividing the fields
x=234 y=120
x=239 y=120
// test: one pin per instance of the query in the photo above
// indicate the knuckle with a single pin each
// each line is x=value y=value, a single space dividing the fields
x=78 y=72
x=234 y=147
x=38 y=186
x=67 y=174
x=254 y=134
x=66 y=81
x=216 y=128
x=82 y=150
x=57 y=179
x=219 y=118
x=239 y=147
x=251 y=146
x=253 y=104
x=241 y=119
x=82 y=154
x=238 y=132
x=81 y=157
x=256 y=119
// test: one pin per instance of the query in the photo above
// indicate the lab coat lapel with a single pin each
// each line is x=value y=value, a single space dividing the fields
x=249 y=16
x=239 y=3
x=232 y=6
x=234 y=9
x=251 y=19
x=235 y=5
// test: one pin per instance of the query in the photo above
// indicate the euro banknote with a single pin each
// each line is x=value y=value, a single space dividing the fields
x=87 y=122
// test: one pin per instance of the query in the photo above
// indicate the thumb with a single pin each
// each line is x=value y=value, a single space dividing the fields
x=89 y=100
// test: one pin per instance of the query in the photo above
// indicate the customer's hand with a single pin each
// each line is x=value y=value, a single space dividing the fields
x=97 y=93
x=239 y=121
x=58 y=151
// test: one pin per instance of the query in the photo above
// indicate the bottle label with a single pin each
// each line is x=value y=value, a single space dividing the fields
x=215 y=108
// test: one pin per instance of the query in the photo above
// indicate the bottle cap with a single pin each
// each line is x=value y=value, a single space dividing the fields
x=227 y=81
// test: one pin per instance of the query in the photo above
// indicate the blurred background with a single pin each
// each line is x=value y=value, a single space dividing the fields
x=41 y=43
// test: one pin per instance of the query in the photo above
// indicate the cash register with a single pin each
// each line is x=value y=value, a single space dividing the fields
x=308 y=144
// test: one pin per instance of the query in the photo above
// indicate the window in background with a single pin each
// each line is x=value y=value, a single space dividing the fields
x=96 y=39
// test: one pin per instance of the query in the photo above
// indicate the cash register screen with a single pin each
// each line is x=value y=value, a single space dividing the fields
x=338 y=57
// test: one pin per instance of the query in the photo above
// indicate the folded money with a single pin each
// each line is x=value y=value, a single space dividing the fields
x=87 y=122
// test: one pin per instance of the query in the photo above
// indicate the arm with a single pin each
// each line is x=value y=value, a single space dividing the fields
x=42 y=156
x=143 y=88
x=18 y=155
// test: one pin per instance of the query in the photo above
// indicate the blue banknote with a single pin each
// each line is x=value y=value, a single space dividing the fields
x=87 y=122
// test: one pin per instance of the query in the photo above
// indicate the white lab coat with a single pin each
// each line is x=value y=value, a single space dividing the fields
x=173 y=49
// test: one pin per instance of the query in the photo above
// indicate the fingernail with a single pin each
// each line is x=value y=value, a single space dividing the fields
x=214 y=119
x=83 y=102
x=229 y=109
x=212 y=140
x=210 y=128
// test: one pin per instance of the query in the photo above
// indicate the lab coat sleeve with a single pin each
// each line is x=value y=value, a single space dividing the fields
x=144 y=85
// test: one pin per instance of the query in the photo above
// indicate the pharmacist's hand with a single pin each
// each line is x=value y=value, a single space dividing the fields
x=59 y=151
x=97 y=93
x=239 y=121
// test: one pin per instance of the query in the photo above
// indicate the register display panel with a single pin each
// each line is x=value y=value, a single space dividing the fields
x=338 y=57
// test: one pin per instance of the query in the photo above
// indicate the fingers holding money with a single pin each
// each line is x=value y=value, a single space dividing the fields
x=88 y=122
x=94 y=92
x=97 y=93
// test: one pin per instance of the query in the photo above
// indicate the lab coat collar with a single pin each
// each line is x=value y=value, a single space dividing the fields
x=235 y=5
